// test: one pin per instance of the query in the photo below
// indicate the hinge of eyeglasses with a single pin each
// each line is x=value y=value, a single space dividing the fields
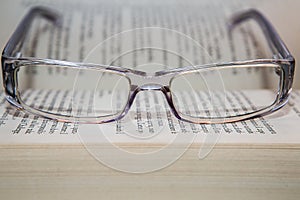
x=13 y=60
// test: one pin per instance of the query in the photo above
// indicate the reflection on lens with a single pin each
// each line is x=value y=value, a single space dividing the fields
x=245 y=89
x=73 y=92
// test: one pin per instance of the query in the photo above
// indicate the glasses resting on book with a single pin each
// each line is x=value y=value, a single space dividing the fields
x=185 y=89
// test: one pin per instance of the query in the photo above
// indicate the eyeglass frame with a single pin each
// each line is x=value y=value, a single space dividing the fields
x=12 y=60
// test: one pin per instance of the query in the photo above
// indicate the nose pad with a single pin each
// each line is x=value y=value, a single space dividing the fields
x=166 y=93
x=148 y=115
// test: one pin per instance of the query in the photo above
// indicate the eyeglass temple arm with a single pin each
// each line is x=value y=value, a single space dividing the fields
x=269 y=31
x=23 y=28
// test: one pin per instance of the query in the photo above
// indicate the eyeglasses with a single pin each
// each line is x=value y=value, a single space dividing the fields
x=186 y=89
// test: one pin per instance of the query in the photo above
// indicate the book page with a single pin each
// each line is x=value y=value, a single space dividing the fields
x=114 y=34
x=76 y=39
x=150 y=120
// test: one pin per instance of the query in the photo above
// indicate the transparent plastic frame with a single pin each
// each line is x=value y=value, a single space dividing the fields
x=12 y=61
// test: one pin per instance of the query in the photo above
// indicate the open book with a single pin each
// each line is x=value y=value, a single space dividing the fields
x=46 y=159
x=114 y=34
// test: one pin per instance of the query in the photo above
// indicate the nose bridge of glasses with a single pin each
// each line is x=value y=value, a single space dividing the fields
x=146 y=83
x=151 y=86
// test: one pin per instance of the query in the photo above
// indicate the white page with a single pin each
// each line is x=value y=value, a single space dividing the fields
x=151 y=121
x=91 y=33
x=286 y=22
x=78 y=38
